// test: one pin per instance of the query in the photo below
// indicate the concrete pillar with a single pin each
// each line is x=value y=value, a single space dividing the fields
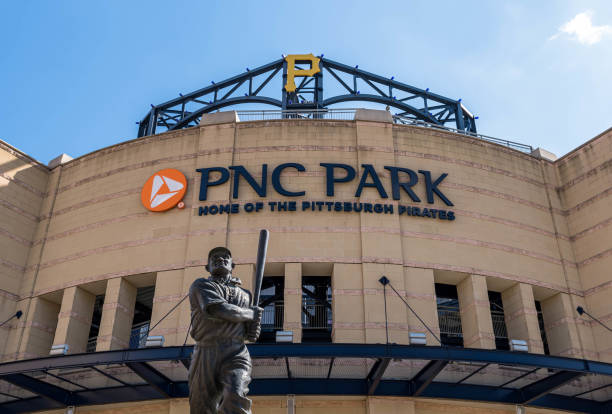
x=381 y=243
x=74 y=319
x=475 y=313
x=389 y=405
x=37 y=328
x=293 y=300
x=522 y=317
x=560 y=326
x=374 y=304
x=168 y=292
x=117 y=315
x=347 y=304
x=421 y=296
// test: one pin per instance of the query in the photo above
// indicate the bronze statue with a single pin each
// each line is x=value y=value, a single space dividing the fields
x=222 y=320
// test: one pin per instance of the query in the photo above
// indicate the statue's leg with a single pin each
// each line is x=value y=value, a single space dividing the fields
x=204 y=390
x=235 y=379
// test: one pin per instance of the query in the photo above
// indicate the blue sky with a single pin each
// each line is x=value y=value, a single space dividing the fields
x=76 y=75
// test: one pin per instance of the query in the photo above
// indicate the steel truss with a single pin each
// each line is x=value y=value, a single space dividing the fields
x=247 y=88
x=554 y=372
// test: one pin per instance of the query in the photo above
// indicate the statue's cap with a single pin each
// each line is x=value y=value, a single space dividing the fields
x=219 y=249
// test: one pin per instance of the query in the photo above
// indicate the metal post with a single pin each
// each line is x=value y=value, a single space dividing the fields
x=384 y=281
x=459 y=117
x=284 y=91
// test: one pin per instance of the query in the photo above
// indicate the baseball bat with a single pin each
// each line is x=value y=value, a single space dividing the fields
x=262 y=250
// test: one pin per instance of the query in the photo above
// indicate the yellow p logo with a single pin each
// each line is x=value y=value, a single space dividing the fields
x=292 y=72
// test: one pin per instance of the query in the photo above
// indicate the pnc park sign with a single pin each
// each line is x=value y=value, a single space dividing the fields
x=403 y=182
x=166 y=188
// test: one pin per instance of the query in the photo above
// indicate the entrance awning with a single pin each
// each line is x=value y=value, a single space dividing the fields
x=315 y=369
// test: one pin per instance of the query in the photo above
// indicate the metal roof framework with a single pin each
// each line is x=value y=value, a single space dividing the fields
x=316 y=369
x=249 y=88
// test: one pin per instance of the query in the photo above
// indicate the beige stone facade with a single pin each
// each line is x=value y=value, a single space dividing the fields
x=526 y=227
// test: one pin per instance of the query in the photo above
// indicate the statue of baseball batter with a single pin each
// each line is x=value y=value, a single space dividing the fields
x=222 y=320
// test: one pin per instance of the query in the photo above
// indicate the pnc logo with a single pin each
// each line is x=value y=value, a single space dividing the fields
x=163 y=190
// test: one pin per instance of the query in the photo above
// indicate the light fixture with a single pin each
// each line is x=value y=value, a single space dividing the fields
x=417 y=338
x=154 y=341
x=284 y=336
x=519 y=345
x=59 y=349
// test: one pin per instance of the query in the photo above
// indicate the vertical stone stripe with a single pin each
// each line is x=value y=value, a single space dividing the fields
x=521 y=316
x=475 y=313
x=293 y=300
x=74 y=319
x=117 y=315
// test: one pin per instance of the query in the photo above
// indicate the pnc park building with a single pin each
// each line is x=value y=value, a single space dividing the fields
x=413 y=266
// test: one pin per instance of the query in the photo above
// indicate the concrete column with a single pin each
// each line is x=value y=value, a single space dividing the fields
x=522 y=317
x=560 y=326
x=74 y=319
x=168 y=292
x=293 y=300
x=347 y=304
x=475 y=313
x=389 y=405
x=374 y=304
x=381 y=243
x=117 y=315
x=37 y=328
x=421 y=295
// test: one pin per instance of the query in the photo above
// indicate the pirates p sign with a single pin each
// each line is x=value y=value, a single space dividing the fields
x=163 y=190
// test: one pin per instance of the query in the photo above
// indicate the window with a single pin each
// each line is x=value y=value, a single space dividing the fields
x=499 y=321
x=142 y=316
x=449 y=317
x=538 y=306
x=272 y=302
x=316 y=309
x=96 y=319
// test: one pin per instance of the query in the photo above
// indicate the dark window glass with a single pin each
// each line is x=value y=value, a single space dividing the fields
x=542 y=331
x=316 y=309
x=449 y=317
x=499 y=321
x=95 y=324
x=271 y=300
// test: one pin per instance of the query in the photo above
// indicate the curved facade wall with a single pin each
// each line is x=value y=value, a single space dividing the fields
x=525 y=227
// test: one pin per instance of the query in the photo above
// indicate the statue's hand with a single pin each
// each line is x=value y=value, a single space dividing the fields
x=253 y=328
x=257 y=313
x=253 y=331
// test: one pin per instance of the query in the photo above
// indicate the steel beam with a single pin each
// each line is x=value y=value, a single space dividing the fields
x=208 y=97
x=421 y=381
x=152 y=376
x=305 y=350
x=38 y=387
x=376 y=374
x=538 y=389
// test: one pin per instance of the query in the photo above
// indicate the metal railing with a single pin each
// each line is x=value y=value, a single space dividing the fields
x=449 y=320
x=316 y=316
x=499 y=324
x=138 y=336
x=398 y=119
x=347 y=114
x=91 y=344
x=272 y=318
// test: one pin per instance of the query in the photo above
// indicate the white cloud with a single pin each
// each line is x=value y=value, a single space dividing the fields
x=582 y=29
